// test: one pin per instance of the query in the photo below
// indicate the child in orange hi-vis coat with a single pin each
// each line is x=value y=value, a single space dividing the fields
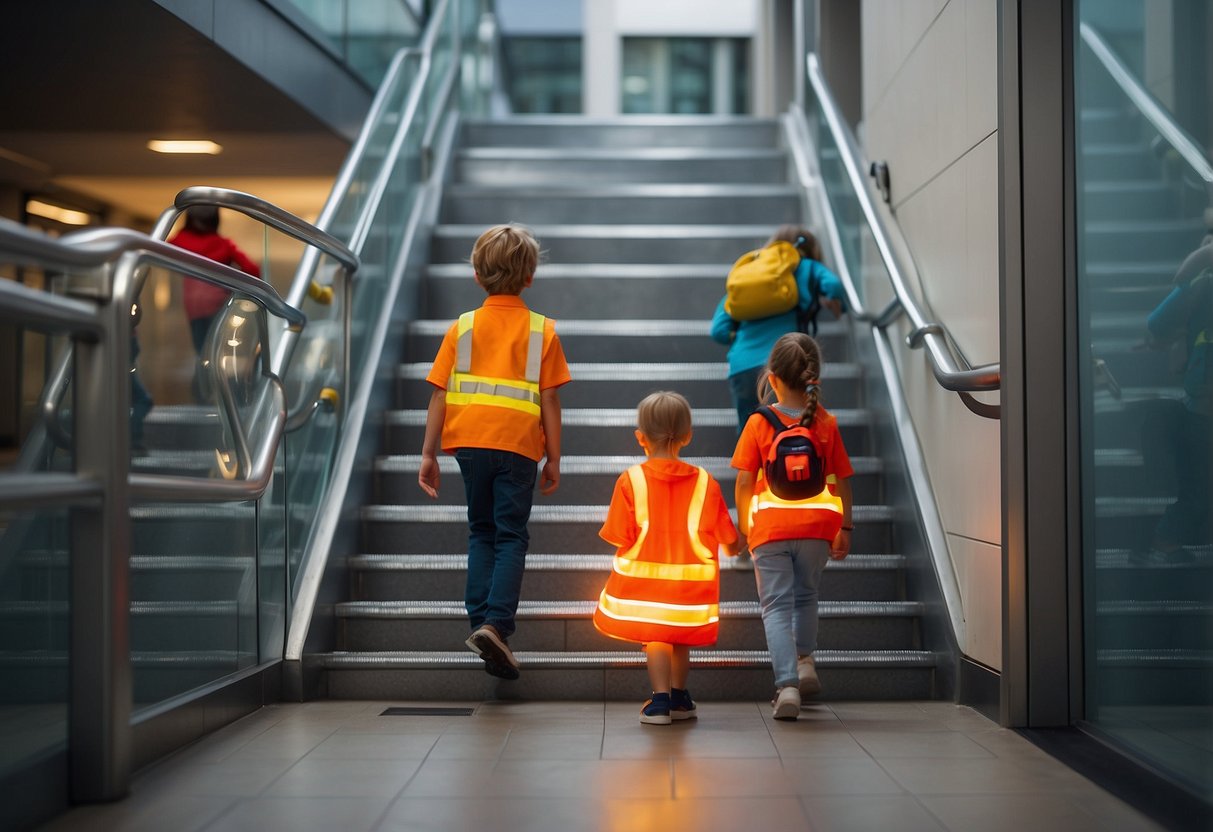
x=668 y=520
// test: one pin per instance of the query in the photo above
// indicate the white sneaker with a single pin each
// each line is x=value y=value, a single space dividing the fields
x=786 y=704
x=806 y=669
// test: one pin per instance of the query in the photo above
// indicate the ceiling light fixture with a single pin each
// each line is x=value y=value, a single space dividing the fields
x=56 y=212
x=185 y=146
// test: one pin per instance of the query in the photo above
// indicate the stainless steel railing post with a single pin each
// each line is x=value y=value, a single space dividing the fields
x=100 y=664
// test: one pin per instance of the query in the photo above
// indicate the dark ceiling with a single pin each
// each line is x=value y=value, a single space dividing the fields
x=87 y=82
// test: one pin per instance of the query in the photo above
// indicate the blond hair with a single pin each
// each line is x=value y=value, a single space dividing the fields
x=664 y=418
x=504 y=258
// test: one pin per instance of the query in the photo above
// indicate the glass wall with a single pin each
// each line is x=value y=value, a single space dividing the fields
x=543 y=74
x=1145 y=307
x=686 y=76
x=366 y=33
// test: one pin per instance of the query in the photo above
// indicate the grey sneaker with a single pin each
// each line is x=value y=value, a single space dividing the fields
x=786 y=704
x=487 y=643
x=806 y=669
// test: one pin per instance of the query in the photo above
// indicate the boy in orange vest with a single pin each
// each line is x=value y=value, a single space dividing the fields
x=495 y=406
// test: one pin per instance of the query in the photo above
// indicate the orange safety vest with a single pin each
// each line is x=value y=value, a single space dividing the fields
x=773 y=518
x=464 y=388
x=665 y=596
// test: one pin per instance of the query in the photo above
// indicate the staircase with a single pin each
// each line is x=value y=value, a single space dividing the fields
x=639 y=220
x=1141 y=214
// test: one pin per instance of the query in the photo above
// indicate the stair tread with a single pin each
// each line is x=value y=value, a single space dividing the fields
x=552 y=513
x=588 y=563
x=606 y=154
x=616 y=417
x=723 y=190
x=647 y=370
x=385 y=660
x=717 y=466
x=598 y=271
x=530 y=610
x=671 y=231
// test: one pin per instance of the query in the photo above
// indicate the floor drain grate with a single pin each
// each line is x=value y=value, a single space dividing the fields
x=427 y=712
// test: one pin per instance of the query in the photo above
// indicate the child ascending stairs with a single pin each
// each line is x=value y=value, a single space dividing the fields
x=792 y=539
x=668 y=520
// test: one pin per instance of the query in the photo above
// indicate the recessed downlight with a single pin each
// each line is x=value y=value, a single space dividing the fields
x=56 y=212
x=203 y=146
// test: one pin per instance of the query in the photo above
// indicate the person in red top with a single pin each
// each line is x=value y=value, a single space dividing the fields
x=667 y=520
x=496 y=407
x=791 y=541
x=204 y=300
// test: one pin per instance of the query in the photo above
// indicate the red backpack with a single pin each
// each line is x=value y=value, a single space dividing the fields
x=793 y=468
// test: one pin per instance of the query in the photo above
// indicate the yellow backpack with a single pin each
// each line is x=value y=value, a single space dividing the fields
x=762 y=282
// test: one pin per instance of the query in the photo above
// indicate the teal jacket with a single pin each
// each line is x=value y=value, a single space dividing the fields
x=750 y=342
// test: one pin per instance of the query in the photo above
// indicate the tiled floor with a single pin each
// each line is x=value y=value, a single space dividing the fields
x=591 y=766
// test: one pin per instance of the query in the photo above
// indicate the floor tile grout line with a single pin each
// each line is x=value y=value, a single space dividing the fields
x=408 y=780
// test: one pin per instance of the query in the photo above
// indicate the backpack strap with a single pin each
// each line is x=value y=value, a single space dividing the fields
x=768 y=413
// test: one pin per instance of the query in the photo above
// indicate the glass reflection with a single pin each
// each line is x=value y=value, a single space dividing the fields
x=1145 y=271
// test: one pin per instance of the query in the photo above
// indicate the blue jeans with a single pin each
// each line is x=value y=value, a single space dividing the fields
x=788 y=573
x=744 y=387
x=500 y=486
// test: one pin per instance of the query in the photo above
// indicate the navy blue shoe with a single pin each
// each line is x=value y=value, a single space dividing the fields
x=681 y=704
x=656 y=711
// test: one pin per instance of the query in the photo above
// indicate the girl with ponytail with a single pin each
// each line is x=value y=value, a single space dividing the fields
x=791 y=540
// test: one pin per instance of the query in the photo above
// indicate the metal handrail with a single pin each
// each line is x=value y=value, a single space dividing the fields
x=108 y=244
x=258 y=209
x=1148 y=105
x=355 y=406
x=29 y=307
x=951 y=374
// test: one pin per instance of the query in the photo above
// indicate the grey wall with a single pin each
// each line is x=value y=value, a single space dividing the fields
x=264 y=41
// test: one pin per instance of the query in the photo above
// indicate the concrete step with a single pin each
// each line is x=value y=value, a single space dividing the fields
x=602 y=431
x=553 y=528
x=566 y=626
x=583 y=479
x=616 y=291
x=610 y=204
x=611 y=384
x=698 y=244
x=556 y=167
x=717 y=675
x=634 y=131
x=633 y=340
x=564 y=577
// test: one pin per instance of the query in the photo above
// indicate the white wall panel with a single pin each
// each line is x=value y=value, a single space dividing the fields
x=981 y=68
x=931 y=93
x=979 y=572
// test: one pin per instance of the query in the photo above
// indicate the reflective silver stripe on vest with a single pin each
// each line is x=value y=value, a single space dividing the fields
x=463 y=343
x=534 y=350
x=510 y=392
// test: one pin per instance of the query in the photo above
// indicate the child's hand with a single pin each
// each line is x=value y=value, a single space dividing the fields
x=835 y=306
x=549 y=479
x=428 y=476
x=841 y=545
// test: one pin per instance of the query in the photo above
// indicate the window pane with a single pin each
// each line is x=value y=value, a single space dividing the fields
x=543 y=74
